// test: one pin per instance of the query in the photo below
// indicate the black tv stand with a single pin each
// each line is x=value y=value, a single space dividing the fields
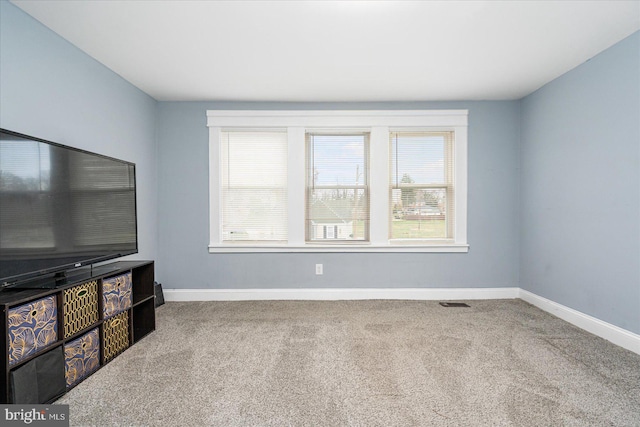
x=78 y=296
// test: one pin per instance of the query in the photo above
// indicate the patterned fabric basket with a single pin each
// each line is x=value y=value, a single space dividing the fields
x=80 y=307
x=31 y=328
x=117 y=296
x=115 y=335
x=82 y=357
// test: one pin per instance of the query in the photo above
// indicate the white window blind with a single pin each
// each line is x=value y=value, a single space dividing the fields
x=421 y=193
x=254 y=186
x=337 y=201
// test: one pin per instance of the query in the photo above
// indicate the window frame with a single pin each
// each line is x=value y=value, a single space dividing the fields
x=448 y=187
x=232 y=189
x=310 y=187
x=379 y=124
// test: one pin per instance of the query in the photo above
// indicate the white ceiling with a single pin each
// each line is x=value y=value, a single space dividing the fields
x=339 y=50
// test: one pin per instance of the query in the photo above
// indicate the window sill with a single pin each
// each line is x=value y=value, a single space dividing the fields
x=350 y=248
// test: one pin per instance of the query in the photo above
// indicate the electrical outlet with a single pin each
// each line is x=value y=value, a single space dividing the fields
x=318 y=269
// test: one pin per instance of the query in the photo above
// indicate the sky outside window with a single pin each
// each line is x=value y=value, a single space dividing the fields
x=338 y=159
x=418 y=156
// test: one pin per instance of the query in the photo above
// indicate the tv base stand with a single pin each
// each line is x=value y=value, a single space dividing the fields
x=57 y=331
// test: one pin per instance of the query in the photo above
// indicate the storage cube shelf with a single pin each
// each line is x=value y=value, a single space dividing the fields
x=31 y=328
x=80 y=307
x=81 y=357
x=116 y=294
x=116 y=335
x=90 y=318
x=40 y=379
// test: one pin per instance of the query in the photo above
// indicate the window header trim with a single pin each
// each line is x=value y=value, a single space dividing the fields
x=336 y=118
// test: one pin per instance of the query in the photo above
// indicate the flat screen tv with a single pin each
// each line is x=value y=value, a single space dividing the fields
x=61 y=208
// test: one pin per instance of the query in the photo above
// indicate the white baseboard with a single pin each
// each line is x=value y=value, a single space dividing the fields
x=615 y=334
x=333 y=294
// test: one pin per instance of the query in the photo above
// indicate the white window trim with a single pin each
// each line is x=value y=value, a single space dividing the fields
x=378 y=123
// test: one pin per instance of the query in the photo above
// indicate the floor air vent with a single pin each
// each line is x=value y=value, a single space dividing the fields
x=454 y=304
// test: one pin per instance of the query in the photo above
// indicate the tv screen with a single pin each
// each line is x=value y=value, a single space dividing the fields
x=61 y=208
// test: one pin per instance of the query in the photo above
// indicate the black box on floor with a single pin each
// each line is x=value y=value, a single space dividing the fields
x=157 y=287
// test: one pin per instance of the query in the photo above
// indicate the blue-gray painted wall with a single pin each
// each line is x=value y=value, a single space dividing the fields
x=52 y=90
x=580 y=188
x=183 y=209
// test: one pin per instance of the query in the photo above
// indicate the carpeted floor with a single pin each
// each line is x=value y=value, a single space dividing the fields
x=362 y=363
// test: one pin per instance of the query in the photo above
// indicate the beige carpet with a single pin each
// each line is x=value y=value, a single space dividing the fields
x=362 y=363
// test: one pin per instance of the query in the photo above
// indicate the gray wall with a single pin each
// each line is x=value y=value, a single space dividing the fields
x=52 y=90
x=580 y=188
x=183 y=209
